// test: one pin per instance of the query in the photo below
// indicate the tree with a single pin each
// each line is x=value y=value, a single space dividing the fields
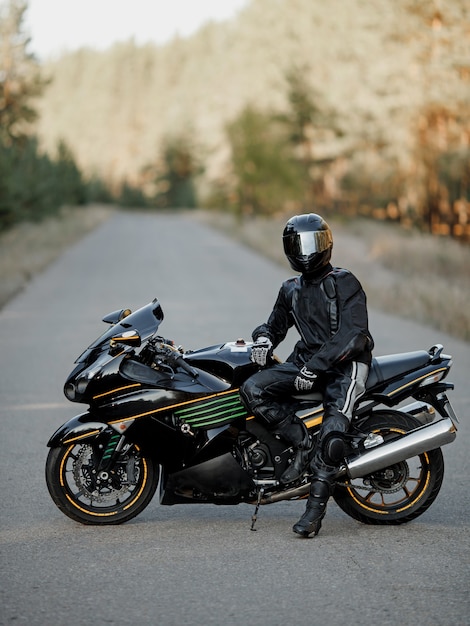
x=20 y=78
x=268 y=177
x=310 y=123
x=175 y=183
x=442 y=148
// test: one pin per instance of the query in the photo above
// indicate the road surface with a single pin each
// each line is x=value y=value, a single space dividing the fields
x=199 y=564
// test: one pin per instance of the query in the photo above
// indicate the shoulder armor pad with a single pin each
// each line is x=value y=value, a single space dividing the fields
x=346 y=283
x=329 y=287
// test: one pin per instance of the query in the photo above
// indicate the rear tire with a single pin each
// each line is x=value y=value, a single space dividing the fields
x=77 y=491
x=400 y=492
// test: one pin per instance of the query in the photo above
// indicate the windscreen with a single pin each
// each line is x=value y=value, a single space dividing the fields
x=145 y=320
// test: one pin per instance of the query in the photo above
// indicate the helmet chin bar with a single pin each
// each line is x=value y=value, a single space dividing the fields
x=312 y=265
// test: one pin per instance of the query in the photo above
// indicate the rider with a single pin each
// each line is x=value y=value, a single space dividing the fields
x=328 y=308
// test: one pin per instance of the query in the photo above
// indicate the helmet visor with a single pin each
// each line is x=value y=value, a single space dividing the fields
x=307 y=243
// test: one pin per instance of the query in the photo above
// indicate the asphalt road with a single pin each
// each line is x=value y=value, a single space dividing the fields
x=200 y=564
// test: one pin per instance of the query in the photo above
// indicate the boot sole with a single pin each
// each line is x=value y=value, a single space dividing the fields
x=313 y=530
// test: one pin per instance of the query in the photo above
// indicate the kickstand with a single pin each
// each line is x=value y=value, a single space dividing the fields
x=254 y=517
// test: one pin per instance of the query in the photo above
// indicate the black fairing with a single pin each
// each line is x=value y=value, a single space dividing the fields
x=220 y=480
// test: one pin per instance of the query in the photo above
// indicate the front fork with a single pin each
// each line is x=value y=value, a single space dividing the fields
x=111 y=451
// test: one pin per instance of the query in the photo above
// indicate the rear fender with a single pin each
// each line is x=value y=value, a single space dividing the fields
x=80 y=427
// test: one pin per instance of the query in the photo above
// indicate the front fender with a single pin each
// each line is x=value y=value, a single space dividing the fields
x=84 y=426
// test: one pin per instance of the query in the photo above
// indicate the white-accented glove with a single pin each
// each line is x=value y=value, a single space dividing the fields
x=260 y=350
x=305 y=379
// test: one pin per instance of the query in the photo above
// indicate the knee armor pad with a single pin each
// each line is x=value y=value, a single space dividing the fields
x=333 y=449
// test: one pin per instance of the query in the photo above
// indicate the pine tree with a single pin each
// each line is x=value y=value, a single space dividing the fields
x=20 y=77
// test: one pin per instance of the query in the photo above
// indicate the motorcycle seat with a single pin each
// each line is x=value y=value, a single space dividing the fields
x=313 y=396
x=391 y=365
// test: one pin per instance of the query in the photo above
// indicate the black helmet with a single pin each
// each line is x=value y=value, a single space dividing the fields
x=308 y=243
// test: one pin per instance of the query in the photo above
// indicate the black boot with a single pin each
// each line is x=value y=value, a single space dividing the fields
x=320 y=491
x=295 y=432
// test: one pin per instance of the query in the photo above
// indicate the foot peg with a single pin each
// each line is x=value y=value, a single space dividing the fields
x=297 y=467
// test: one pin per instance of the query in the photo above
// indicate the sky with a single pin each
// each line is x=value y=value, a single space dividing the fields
x=56 y=26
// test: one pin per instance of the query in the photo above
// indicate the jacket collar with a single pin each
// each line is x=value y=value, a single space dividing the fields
x=316 y=277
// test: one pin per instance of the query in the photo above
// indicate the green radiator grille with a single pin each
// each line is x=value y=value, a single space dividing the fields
x=213 y=412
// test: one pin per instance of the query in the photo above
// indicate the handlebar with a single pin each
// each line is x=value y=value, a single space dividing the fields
x=164 y=352
x=180 y=362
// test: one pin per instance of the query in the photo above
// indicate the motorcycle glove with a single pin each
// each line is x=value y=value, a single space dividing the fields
x=261 y=349
x=305 y=379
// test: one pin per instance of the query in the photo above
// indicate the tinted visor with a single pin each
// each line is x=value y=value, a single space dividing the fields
x=305 y=244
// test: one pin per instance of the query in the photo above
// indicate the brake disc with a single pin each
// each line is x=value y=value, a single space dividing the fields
x=98 y=490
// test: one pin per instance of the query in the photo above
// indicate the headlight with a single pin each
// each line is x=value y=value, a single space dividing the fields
x=82 y=384
x=72 y=390
x=69 y=391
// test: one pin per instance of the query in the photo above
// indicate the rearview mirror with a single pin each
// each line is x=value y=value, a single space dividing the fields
x=116 y=316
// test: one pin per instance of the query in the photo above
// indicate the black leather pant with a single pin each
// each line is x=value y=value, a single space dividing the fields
x=268 y=395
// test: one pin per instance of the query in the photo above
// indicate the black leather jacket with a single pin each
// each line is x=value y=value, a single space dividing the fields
x=330 y=314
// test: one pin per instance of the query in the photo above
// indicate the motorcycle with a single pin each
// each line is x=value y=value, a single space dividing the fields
x=159 y=416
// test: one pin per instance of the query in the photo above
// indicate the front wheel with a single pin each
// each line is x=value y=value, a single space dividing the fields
x=399 y=493
x=88 y=496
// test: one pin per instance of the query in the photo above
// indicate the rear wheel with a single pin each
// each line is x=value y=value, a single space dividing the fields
x=88 y=496
x=399 y=493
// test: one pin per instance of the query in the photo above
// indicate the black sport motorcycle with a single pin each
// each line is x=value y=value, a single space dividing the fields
x=159 y=416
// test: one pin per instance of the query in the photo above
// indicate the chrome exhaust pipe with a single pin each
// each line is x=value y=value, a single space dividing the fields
x=417 y=441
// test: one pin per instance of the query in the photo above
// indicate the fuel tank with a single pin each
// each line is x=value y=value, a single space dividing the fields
x=229 y=361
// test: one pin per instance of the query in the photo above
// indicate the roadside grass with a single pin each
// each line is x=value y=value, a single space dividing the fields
x=28 y=248
x=406 y=273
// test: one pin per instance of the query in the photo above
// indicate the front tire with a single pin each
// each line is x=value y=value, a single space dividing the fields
x=399 y=493
x=112 y=497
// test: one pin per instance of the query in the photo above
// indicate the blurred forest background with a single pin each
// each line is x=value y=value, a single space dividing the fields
x=354 y=109
x=357 y=107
